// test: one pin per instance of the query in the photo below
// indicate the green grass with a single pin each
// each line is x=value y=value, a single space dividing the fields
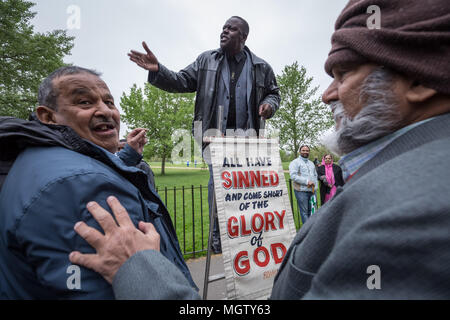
x=170 y=189
x=181 y=177
x=200 y=165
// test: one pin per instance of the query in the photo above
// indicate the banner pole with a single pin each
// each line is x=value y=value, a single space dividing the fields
x=212 y=217
x=208 y=257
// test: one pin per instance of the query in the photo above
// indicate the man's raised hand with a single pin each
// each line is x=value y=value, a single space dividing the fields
x=146 y=60
x=137 y=139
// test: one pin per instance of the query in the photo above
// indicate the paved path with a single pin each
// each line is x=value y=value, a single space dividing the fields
x=217 y=289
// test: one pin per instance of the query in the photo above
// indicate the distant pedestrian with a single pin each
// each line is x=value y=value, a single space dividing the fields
x=304 y=176
x=330 y=176
x=316 y=162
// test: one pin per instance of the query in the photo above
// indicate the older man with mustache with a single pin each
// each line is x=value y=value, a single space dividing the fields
x=385 y=233
x=56 y=164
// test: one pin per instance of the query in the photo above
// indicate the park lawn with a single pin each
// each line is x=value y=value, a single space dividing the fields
x=181 y=177
x=199 y=165
x=185 y=194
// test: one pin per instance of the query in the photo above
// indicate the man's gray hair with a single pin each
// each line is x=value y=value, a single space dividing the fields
x=48 y=95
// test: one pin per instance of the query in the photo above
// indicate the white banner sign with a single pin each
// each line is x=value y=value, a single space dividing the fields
x=255 y=217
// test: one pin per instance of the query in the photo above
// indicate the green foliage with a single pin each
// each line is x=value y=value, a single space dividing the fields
x=302 y=116
x=286 y=156
x=319 y=151
x=161 y=113
x=26 y=57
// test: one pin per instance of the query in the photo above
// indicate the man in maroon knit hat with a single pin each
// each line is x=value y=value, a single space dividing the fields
x=385 y=234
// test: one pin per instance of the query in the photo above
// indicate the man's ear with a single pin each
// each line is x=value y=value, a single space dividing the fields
x=46 y=115
x=418 y=93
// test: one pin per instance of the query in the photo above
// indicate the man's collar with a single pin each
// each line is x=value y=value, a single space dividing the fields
x=237 y=57
x=253 y=58
x=351 y=162
x=304 y=159
x=240 y=56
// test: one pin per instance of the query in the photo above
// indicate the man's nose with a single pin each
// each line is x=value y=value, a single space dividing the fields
x=331 y=93
x=104 y=110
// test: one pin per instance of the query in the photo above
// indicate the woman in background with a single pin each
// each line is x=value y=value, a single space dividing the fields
x=330 y=176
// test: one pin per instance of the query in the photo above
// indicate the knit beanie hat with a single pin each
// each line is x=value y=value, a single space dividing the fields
x=413 y=39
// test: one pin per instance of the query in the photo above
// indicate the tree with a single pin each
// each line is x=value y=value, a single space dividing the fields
x=161 y=113
x=302 y=116
x=319 y=151
x=26 y=57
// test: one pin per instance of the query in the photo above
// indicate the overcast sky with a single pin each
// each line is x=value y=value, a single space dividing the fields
x=177 y=31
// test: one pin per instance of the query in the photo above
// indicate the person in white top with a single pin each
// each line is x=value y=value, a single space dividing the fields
x=304 y=176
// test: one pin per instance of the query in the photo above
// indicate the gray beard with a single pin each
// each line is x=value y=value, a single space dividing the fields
x=379 y=117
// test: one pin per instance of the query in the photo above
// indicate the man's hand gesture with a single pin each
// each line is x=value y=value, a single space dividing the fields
x=146 y=60
x=265 y=110
x=137 y=139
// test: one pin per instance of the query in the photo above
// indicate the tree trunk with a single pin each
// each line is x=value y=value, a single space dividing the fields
x=163 y=165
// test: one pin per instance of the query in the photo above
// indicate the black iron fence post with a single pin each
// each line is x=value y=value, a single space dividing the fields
x=201 y=214
x=193 y=221
x=184 y=223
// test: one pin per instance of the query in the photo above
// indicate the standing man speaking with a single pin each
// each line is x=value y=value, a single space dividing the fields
x=231 y=76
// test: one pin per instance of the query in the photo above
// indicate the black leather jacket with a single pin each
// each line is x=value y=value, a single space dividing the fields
x=202 y=76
